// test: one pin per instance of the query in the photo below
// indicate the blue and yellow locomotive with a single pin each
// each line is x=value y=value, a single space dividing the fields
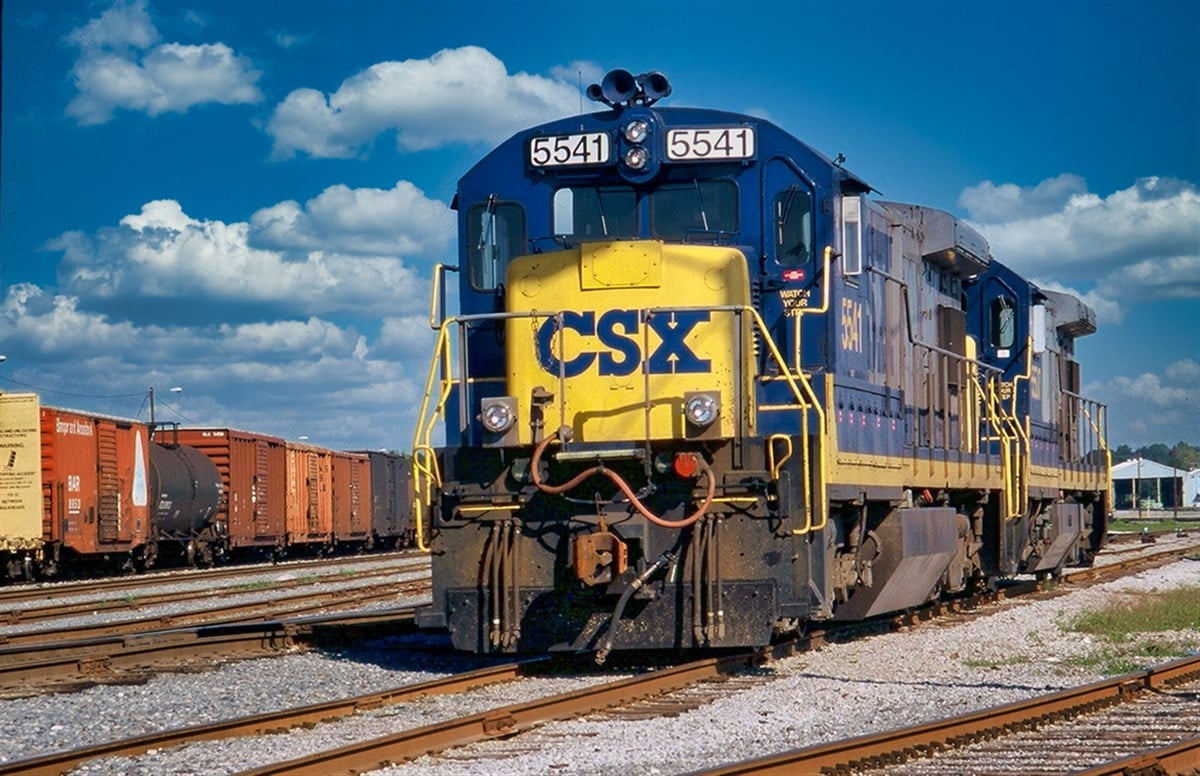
x=702 y=389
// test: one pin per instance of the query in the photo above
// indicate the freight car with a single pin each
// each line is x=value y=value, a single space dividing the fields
x=252 y=471
x=287 y=498
x=391 y=501
x=704 y=388
x=82 y=492
x=98 y=491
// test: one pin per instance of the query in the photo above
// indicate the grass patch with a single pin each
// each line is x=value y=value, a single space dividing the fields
x=262 y=584
x=1151 y=613
x=1140 y=630
x=1165 y=524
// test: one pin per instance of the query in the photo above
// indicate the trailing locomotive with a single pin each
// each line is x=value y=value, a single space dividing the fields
x=703 y=388
x=80 y=491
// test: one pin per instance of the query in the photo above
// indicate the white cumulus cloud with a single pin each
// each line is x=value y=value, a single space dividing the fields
x=400 y=221
x=122 y=25
x=1154 y=406
x=121 y=65
x=406 y=336
x=163 y=253
x=57 y=325
x=288 y=377
x=456 y=95
x=991 y=203
x=1139 y=244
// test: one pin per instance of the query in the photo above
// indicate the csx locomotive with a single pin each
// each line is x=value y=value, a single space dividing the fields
x=702 y=388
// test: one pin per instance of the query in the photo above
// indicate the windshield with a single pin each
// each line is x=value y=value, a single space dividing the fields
x=678 y=211
x=595 y=213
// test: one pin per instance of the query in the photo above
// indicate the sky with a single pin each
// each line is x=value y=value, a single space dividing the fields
x=245 y=199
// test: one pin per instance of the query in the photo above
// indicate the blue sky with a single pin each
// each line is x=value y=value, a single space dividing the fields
x=245 y=198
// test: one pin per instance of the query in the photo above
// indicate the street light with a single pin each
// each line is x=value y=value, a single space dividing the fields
x=153 y=424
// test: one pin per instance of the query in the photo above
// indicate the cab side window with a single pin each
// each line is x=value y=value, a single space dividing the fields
x=793 y=227
x=496 y=234
x=1002 y=320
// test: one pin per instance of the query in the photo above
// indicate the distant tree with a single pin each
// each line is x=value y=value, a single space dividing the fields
x=1158 y=452
x=1122 y=454
x=1185 y=456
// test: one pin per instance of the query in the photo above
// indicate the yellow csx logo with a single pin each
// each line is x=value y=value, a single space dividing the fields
x=852 y=325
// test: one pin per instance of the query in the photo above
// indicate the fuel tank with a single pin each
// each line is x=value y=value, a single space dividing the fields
x=187 y=490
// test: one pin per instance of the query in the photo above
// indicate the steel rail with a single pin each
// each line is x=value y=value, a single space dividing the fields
x=133 y=601
x=50 y=588
x=275 y=607
x=508 y=720
x=269 y=722
x=1180 y=757
x=895 y=746
x=90 y=660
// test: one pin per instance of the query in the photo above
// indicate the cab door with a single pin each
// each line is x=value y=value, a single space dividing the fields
x=1000 y=324
x=789 y=279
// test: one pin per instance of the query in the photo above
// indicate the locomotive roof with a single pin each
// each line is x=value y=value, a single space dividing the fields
x=772 y=138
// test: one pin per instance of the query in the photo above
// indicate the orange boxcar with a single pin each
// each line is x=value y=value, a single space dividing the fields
x=309 y=495
x=352 y=498
x=96 y=491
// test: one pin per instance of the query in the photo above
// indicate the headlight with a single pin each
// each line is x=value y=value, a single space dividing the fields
x=701 y=409
x=636 y=130
x=636 y=158
x=498 y=415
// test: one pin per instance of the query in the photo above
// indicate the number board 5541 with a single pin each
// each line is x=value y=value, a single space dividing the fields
x=700 y=144
x=569 y=150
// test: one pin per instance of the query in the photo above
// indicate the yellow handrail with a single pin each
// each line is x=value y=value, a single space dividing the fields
x=773 y=465
x=1014 y=460
x=807 y=401
x=426 y=476
x=824 y=308
x=1107 y=453
x=822 y=460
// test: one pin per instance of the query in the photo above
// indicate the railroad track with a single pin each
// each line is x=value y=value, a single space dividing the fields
x=673 y=689
x=138 y=601
x=667 y=691
x=71 y=665
x=260 y=724
x=409 y=744
x=1129 y=724
x=292 y=605
x=40 y=591
x=74 y=656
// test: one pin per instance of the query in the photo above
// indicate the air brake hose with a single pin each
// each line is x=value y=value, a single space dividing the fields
x=556 y=490
x=664 y=560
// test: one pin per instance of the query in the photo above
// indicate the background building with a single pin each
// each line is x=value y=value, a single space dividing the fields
x=1159 y=486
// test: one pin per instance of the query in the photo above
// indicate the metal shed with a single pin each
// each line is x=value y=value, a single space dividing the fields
x=1160 y=486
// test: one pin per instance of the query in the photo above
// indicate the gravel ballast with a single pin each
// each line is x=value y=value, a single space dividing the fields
x=1016 y=650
